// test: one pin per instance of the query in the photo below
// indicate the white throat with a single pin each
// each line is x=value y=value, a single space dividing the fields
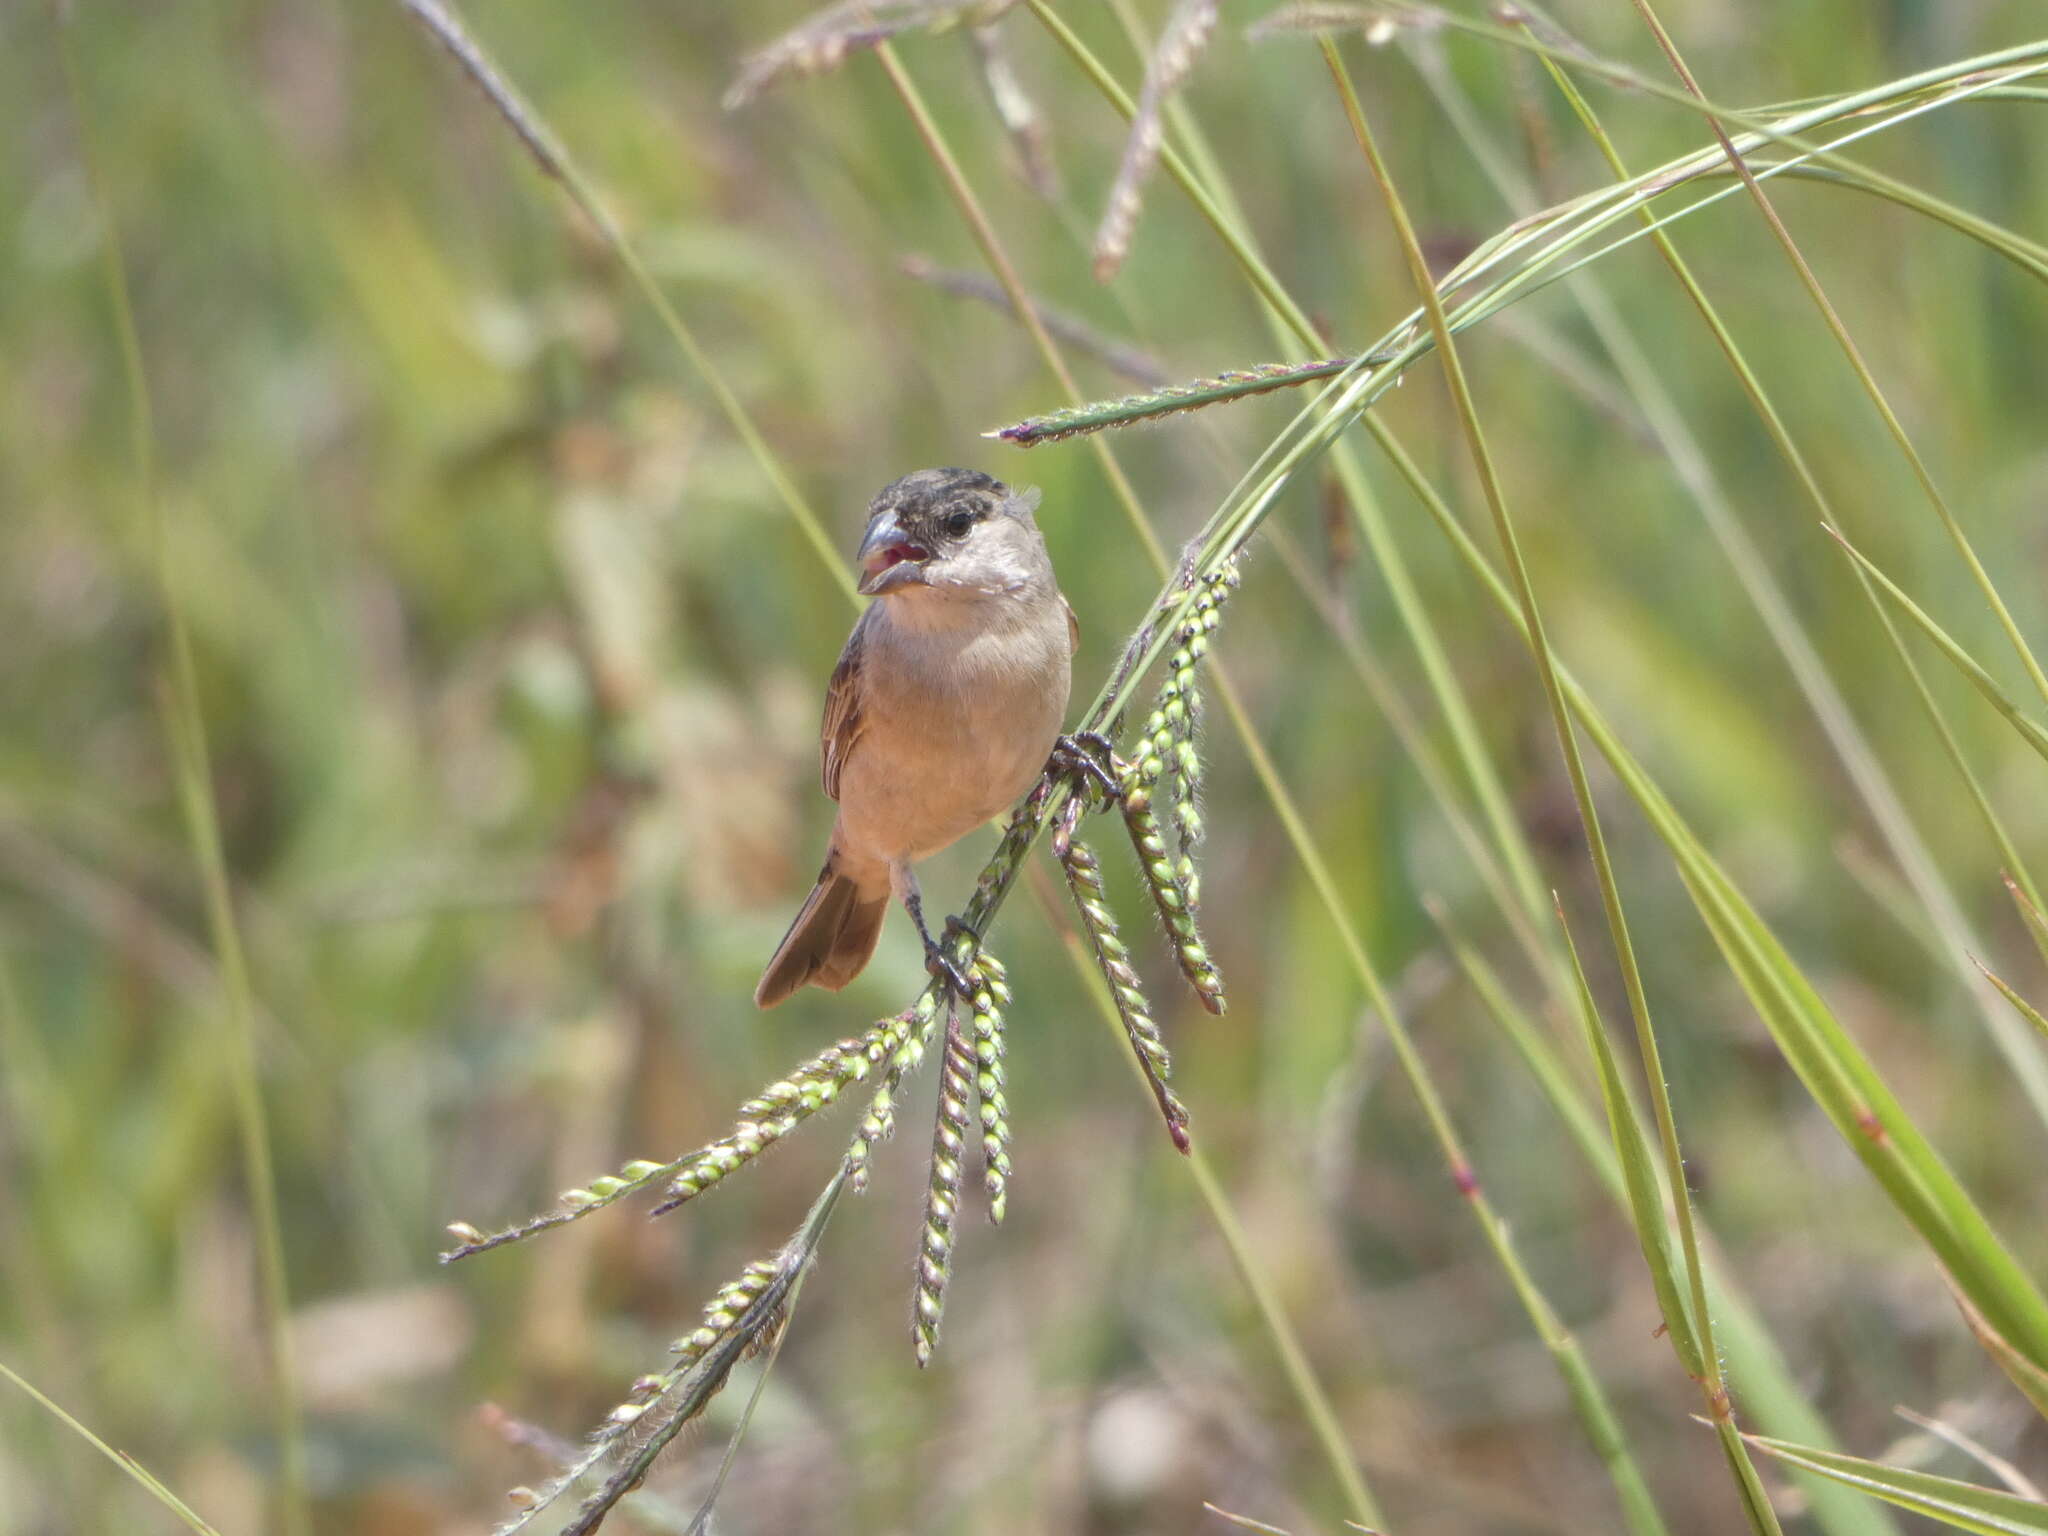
x=927 y=610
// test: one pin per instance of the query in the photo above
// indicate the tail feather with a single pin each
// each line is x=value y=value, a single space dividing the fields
x=829 y=943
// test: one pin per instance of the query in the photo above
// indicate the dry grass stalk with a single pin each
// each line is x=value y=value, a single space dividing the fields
x=1181 y=42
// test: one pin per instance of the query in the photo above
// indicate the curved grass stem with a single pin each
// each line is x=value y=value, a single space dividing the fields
x=1708 y=1362
x=554 y=161
x=1851 y=351
x=1314 y=1403
x=1859 y=758
x=185 y=728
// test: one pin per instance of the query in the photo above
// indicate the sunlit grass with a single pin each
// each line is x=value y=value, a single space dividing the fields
x=510 y=544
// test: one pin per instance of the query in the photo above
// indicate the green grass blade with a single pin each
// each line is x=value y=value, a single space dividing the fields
x=1703 y=1362
x=185 y=731
x=441 y=22
x=1853 y=353
x=1973 y=670
x=1966 y=1506
x=1639 y=1174
x=1859 y=759
x=2031 y=1379
x=1537 y=1054
x=1314 y=1402
x=2025 y=1009
x=121 y=1459
x=1870 y=1119
x=2029 y=906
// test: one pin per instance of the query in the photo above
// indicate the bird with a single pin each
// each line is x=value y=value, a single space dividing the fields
x=945 y=707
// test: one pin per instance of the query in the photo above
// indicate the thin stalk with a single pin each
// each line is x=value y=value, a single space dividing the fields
x=1851 y=351
x=1712 y=1384
x=1858 y=758
x=1414 y=742
x=1993 y=1276
x=185 y=728
x=1959 y=80
x=771 y=1309
x=1203 y=182
x=121 y=1459
x=556 y=163
x=2031 y=732
x=1308 y=1390
x=1603 y=1426
x=1286 y=1342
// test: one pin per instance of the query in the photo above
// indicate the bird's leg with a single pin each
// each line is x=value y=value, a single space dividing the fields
x=938 y=958
x=1087 y=757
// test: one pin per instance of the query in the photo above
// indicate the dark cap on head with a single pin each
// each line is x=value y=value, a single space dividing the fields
x=923 y=499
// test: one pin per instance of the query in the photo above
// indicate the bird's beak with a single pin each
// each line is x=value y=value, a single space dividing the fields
x=888 y=559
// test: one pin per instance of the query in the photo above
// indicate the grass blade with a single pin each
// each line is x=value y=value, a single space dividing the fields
x=1973 y=670
x=121 y=1459
x=1638 y=1171
x=2030 y=1378
x=1851 y=351
x=2025 y=1009
x=440 y=22
x=1696 y=1349
x=1966 y=1506
x=1186 y=33
x=185 y=730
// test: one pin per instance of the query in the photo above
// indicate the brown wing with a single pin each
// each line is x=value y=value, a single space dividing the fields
x=1073 y=629
x=842 y=712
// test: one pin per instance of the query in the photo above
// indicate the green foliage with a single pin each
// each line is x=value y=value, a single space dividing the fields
x=1963 y=1506
x=419 y=583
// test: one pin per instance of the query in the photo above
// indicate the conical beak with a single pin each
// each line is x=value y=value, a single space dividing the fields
x=888 y=558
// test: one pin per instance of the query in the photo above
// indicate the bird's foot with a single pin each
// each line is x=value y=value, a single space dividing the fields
x=1087 y=759
x=938 y=958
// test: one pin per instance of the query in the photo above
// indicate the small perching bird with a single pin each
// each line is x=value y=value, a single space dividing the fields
x=944 y=709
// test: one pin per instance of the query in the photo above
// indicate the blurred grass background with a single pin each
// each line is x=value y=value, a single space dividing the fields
x=510 y=664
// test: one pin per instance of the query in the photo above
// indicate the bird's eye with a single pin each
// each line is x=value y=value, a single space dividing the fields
x=958 y=523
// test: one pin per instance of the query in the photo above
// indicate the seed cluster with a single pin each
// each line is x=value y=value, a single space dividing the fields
x=991 y=999
x=1166 y=767
x=1084 y=880
x=1155 y=793
x=880 y=1120
x=942 y=1190
x=781 y=1107
x=1129 y=410
x=722 y=1314
x=724 y=1310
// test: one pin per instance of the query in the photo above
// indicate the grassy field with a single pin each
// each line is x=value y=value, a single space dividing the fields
x=417 y=595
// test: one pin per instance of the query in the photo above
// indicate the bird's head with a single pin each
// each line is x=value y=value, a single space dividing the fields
x=951 y=531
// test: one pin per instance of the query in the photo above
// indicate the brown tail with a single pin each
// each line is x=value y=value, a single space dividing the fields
x=830 y=941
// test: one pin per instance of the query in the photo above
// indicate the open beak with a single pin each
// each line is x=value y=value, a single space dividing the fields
x=888 y=559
